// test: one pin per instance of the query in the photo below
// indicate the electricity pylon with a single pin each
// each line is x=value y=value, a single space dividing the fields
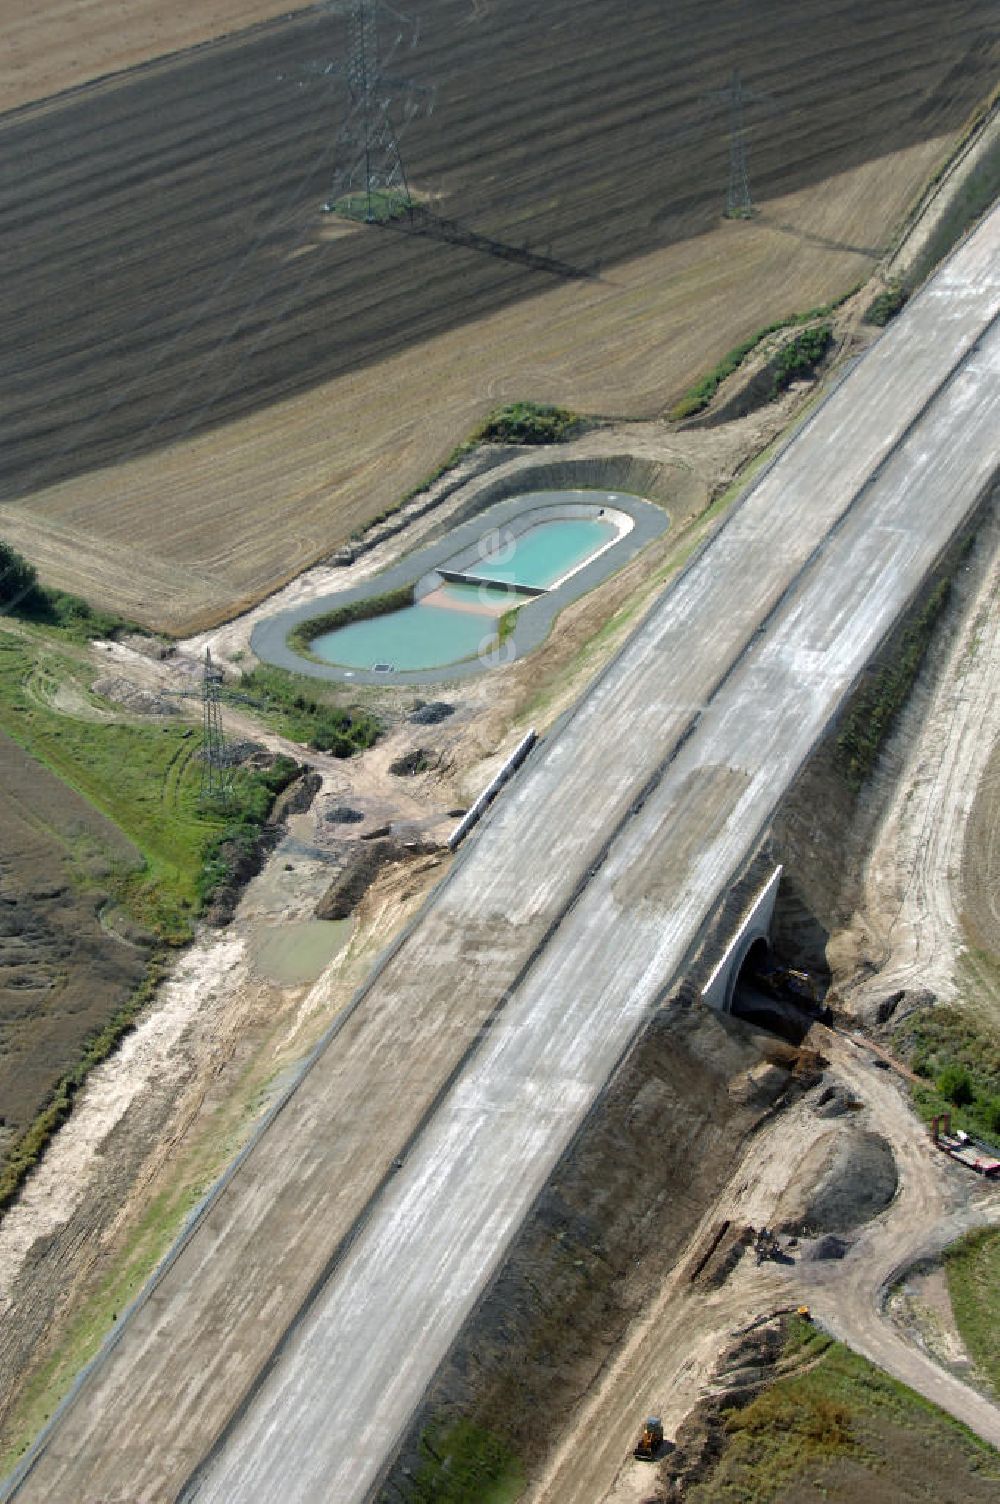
x=216 y=779
x=367 y=149
x=739 y=204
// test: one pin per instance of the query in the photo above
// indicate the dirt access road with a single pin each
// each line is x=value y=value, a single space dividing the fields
x=668 y=1358
x=523 y=919
x=209 y=384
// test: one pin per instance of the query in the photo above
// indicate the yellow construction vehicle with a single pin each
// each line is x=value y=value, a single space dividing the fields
x=651 y=1440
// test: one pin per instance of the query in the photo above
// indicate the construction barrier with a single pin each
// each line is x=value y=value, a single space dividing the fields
x=482 y=804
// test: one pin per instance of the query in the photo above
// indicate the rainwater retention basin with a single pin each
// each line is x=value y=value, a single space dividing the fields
x=455 y=607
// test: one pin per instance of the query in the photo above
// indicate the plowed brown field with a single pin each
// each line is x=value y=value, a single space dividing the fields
x=61 y=973
x=207 y=385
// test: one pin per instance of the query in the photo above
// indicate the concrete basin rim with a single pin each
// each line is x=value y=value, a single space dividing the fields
x=269 y=639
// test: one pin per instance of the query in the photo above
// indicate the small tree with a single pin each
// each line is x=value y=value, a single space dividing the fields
x=955 y=1084
x=17 y=577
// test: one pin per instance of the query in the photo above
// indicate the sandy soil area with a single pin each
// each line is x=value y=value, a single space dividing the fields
x=65 y=43
x=667 y=1359
x=918 y=881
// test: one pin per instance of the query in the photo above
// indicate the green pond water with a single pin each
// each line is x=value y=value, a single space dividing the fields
x=545 y=552
x=296 y=953
x=420 y=636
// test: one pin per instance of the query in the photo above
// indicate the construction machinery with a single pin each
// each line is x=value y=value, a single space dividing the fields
x=961 y=1146
x=788 y=985
x=650 y=1441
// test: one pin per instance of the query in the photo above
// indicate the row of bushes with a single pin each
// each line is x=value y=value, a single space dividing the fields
x=24 y=1154
x=297 y=708
x=301 y=637
x=23 y=597
x=697 y=397
x=247 y=812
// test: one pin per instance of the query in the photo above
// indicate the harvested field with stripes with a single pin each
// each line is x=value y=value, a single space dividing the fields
x=209 y=383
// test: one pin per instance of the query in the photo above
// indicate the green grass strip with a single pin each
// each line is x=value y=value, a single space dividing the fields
x=973 y=1270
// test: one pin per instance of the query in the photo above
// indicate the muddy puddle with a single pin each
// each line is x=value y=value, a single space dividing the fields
x=295 y=953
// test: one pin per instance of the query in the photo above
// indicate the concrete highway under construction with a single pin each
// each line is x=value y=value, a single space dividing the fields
x=284 y=1347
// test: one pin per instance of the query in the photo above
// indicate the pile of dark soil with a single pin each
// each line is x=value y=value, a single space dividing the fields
x=411 y=763
x=362 y=864
x=430 y=713
x=844 y=1182
x=343 y=814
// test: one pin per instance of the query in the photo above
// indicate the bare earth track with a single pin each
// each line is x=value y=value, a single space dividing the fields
x=171 y=290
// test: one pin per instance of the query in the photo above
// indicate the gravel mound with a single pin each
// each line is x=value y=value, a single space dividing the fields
x=842 y=1183
x=133 y=697
x=830 y=1247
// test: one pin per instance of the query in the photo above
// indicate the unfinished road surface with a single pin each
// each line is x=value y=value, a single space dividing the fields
x=283 y=1350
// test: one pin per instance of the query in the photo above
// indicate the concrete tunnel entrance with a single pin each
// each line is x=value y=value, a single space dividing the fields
x=743 y=986
x=747 y=951
x=747 y=984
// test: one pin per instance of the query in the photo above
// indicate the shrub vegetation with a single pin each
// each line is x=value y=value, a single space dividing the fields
x=958 y=1057
x=465 y=1465
x=800 y=357
x=973 y=1270
x=298 y=708
x=824 y=1430
x=22 y=597
x=528 y=423
x=886 y=304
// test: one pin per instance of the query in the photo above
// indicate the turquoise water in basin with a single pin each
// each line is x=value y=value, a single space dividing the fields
x=457 y=622
x=460 y=621
x=542 y=554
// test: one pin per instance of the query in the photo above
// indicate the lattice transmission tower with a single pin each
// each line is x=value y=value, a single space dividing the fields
x=370 y=163
x=216 y=778
x=739 y=203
